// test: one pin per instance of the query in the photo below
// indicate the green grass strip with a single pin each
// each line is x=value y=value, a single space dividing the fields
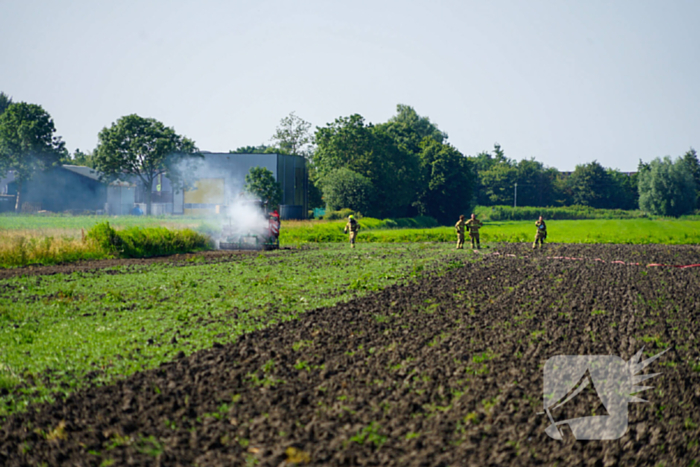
x=58 y=331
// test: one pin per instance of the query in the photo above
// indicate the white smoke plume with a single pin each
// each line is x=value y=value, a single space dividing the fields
x=240 y=213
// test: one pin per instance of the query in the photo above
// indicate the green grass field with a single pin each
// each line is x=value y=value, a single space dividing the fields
x=60 y=332
x=27 y=239
x=629 y=231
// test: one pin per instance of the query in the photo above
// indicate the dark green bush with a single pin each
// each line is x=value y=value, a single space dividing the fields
x=508 y=213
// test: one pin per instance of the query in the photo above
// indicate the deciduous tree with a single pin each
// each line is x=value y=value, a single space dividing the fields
x=590 y=185
x=446 y=186
x=5 y=102
x=260 y=182
x=292 y=136
x=369 y=151
x=27 y=143
x=344 y=188
x=666 y=188
x=144 y=148
x=691 y=160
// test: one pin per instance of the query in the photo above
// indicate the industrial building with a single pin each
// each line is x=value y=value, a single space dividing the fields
x=219 y=179
x=73 y=188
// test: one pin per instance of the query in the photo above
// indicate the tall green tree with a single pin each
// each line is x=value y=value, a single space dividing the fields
x=261 y=183
x=691 y=161
x=446 y=186
x=5 y=102
x=27 y=143
x=144 y=148
x=495 y=177
x=623 y=191
x=498 y=184
x=535 y=183
x=344 y=188
x=408 y=129
x=369 y=151
x=667 y=188
x=590 y=185
x=292 y=136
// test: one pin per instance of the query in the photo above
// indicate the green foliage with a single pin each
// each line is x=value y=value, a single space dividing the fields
x=339 y=214
x=292 y=136
x=623 y=192
x=447 y=181
x=79 y=158
x=261 y=183
x=535 y=183
x=667 y=188
x=591 y=186
x=315 y=193
x=408 y=129
x=137 y=242
x=503 y=213
x=493 y=167
x=370 y=435
x=693 y=164
x=499 y=183
x=261 y=149
x=343 y=188
x=5 y=102
x=27 y=143
x=370 y=151
x=145 y=148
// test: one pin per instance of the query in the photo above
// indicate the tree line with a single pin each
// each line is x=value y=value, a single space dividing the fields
x=406 y=167
x=403 y=167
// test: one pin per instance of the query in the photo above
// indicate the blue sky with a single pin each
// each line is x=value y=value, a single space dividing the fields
x=564 y=82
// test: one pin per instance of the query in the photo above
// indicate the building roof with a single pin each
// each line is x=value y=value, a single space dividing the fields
x=92 y=174
x=84 y=171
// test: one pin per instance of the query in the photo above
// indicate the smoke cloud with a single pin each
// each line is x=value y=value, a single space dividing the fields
x=240 y=214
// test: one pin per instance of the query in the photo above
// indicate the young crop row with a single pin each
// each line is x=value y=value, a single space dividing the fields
x=58 y=333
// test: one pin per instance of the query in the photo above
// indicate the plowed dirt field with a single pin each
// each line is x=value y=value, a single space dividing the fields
x=444 y=371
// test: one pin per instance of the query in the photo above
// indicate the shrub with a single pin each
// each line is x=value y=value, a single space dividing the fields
x=508 y=213
x=135 y=242
x=344 y=188
x=341 y=214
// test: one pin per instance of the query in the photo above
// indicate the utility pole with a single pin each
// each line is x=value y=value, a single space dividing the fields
x=515 y=201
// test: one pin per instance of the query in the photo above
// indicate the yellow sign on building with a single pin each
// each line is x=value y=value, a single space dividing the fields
x=207 y=194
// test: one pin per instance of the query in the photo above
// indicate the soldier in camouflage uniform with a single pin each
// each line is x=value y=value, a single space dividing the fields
x=459 y=227
x=541 y=233
x=473 y=226
x=353 y=227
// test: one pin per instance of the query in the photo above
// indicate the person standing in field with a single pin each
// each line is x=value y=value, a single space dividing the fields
x=473 y=226
x=459 y=227
x=353 y=227
x=541 y=233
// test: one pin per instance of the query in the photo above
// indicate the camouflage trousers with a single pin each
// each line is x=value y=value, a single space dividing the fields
x=460 y=240
x=475 y=240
